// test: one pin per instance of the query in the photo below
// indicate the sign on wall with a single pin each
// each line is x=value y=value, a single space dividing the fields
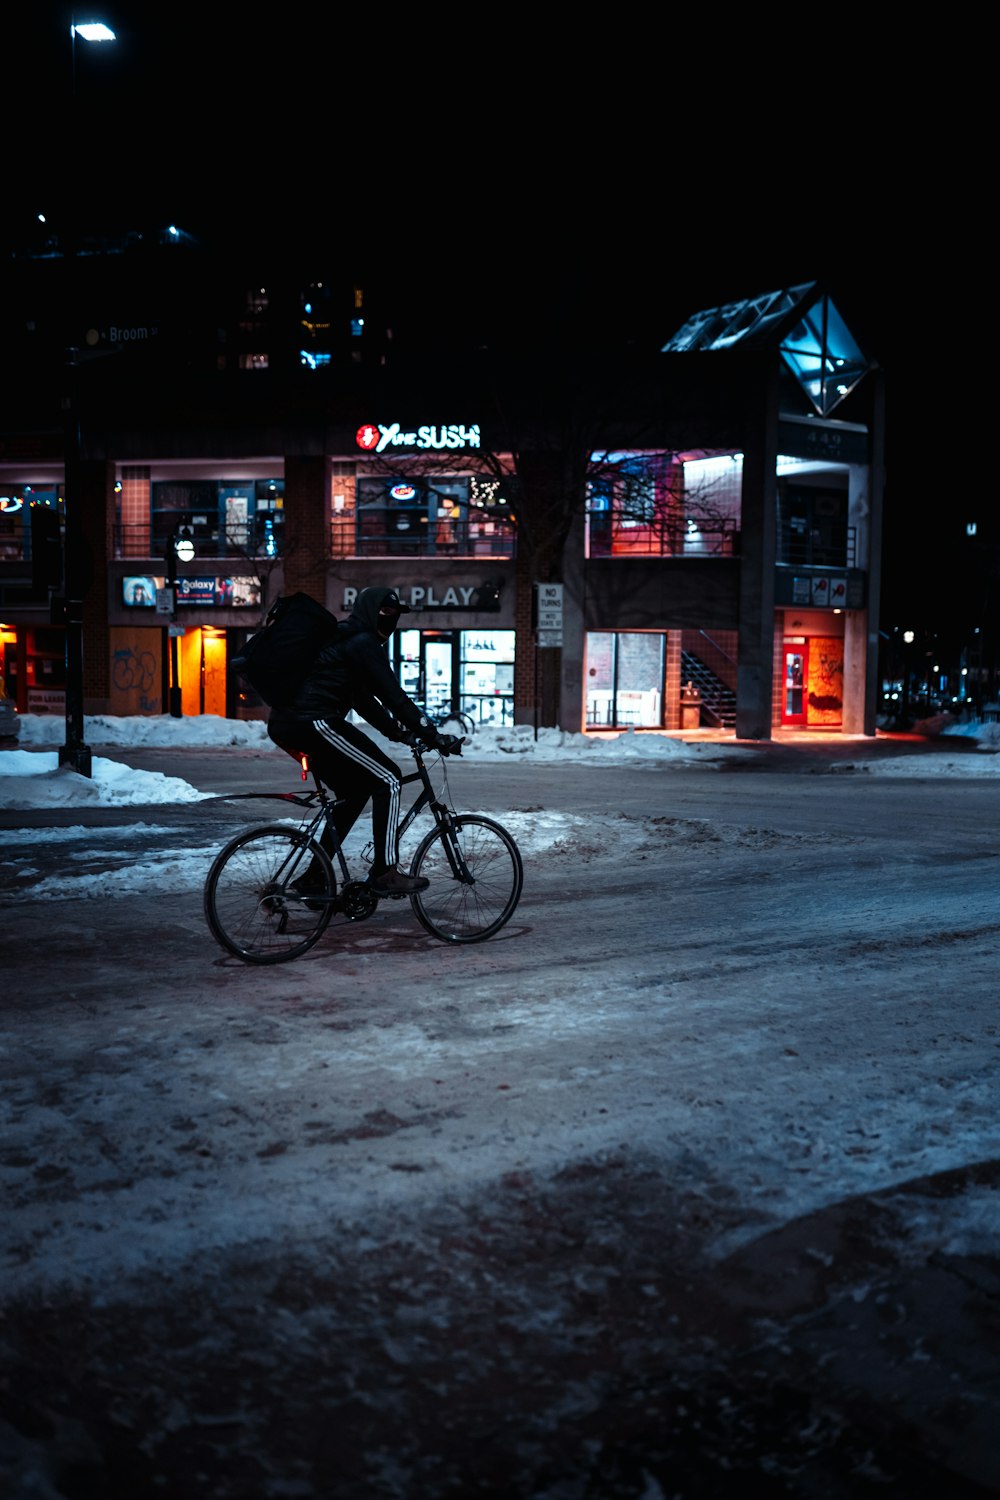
x=839 y=590
x=375 y=437
x=549 y=614
x=431 y=596
x=145 y=592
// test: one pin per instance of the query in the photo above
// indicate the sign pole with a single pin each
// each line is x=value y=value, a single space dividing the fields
x=547 y=619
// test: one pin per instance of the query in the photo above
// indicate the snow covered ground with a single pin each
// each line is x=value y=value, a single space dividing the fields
x=687 y=1179
x=32 y=779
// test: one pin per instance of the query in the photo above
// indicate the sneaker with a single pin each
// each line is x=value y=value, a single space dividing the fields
x=395 y=883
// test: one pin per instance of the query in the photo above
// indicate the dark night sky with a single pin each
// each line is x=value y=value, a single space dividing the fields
x=617 y=177
x=587 y=165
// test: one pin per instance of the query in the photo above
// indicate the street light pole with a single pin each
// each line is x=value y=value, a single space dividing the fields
x=74 y=752
x=907 y=652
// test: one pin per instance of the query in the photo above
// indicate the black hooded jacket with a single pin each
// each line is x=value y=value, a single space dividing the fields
x=353 y=672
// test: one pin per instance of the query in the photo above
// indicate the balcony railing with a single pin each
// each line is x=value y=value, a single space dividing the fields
x=421 y=546
x=382 y=531
x=808 y=550
x=614 y=536
x=611 y=536
x=140 y=541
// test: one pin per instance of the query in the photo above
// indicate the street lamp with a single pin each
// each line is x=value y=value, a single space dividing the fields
x=908 y=638
x=75 y=752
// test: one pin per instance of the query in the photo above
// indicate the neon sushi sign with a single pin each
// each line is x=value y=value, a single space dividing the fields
x=377 y=438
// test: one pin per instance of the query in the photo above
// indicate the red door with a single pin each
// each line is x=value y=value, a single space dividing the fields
x=793 y=704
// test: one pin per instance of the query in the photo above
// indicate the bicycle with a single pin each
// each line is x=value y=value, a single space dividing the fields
x=254 y=911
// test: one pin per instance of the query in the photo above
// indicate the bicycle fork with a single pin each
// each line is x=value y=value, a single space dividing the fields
x=452 y=848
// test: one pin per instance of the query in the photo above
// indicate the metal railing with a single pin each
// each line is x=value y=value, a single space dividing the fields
x=613 y=535
x=134 y=539
x=805 y=550
x=396 y=546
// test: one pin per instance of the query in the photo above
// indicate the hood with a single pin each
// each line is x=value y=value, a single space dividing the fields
x=369 y=602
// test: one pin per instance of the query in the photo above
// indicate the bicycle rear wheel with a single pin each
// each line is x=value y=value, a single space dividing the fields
x=249 y=902
x=467 y=911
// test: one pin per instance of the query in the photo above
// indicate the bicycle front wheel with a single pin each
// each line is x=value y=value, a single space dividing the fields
x=466 y=908
x=251 y=905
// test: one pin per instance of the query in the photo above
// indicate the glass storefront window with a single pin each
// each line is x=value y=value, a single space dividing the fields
x=406 y=645
x=487 y=668
x=191 y=502
x=624 y=677
x=16 y=505
x=428 y=517
x=665 y=505
x=403 y=517
x=470 y=670
x=226 y=517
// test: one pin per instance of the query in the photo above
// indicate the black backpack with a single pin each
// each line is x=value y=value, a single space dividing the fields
x=276 y=660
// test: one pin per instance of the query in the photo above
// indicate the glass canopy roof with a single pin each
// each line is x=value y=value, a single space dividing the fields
x=801 y=322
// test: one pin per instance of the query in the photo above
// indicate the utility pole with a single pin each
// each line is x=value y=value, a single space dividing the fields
x=76 y=581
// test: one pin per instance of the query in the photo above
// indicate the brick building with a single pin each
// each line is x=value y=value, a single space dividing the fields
x=718 y=515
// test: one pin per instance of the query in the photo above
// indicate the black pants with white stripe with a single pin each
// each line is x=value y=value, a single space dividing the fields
x=354 y=768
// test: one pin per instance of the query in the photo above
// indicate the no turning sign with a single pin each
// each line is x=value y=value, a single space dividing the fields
x=549 y=613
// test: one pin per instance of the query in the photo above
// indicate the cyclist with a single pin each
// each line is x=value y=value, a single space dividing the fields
x=352 y=672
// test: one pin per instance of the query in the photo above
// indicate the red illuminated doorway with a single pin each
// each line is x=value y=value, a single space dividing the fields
x=793 y=701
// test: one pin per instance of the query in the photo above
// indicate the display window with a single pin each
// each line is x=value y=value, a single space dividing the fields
x=625 y=681
x=427 y=516
x=467 y=670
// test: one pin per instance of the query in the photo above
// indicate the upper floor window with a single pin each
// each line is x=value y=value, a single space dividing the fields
x=431 y=516
x=664 y=504
x=255 y=311
x=16 y=506
x=812 y=524
x=225 y=517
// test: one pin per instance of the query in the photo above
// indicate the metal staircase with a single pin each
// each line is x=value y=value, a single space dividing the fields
x=718 y=702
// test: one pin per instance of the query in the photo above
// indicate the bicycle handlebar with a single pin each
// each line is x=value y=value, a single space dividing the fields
x=422 y=747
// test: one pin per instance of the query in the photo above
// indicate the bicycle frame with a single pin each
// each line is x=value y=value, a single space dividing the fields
x=322 y=818
x=442 y=816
